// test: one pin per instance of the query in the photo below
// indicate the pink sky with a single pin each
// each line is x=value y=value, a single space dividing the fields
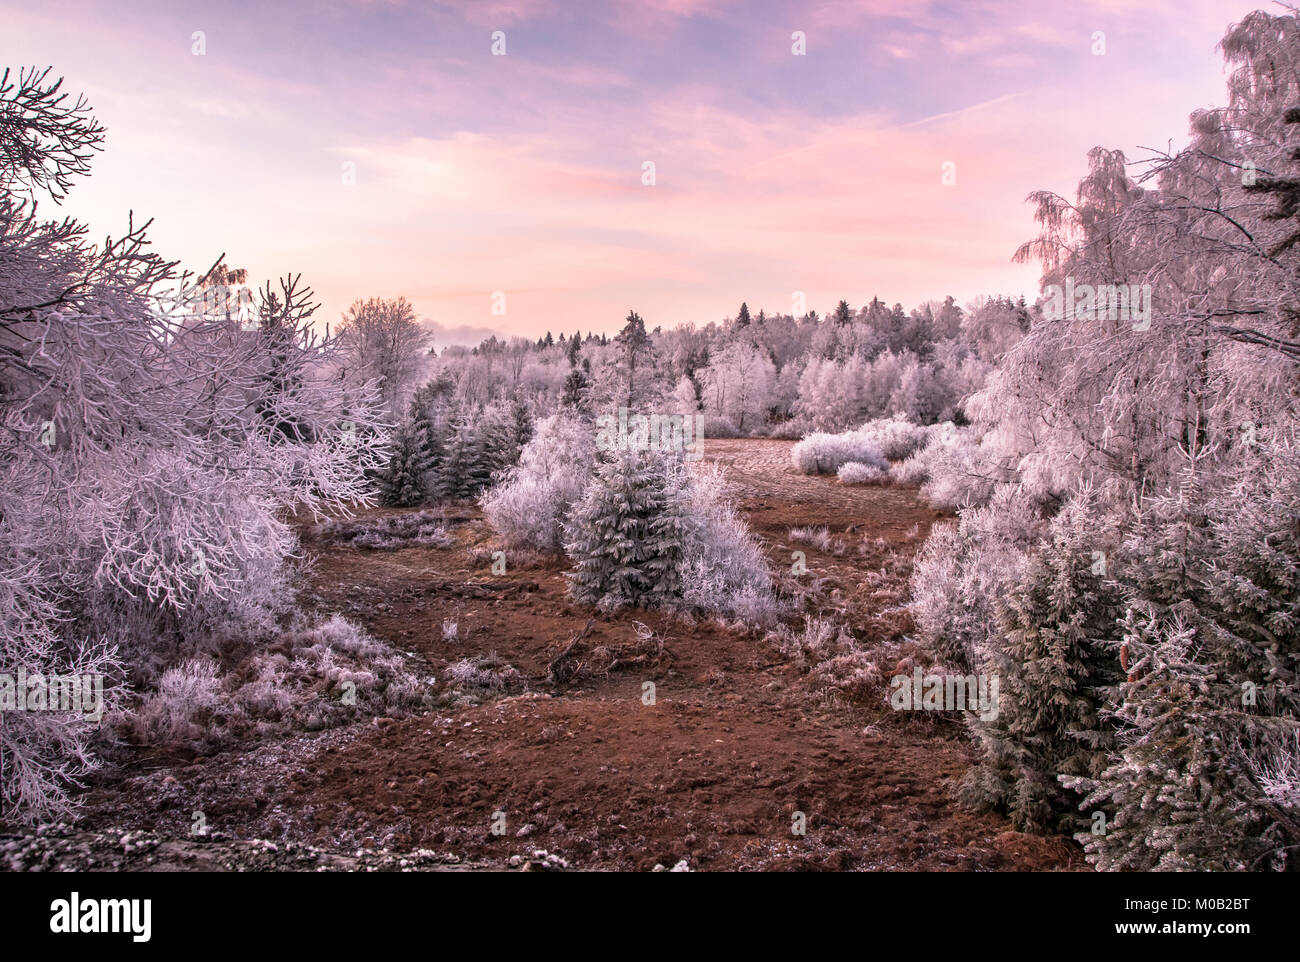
x=522 y=173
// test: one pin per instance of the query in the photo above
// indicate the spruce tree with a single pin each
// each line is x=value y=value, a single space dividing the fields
x=1212 y=641
x=1057 y=661
x=405 y=482
x=626 y=535
x=431 y=430
x=466 y=470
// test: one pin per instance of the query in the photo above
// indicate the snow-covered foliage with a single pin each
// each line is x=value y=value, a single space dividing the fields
x=895 y=437
x=650 y=532
x=825 y=453
x=855 y=472
x=738 y=386
x=1134 y=575
x=530 y=505
x=964 y=570
x=723 y=569
x=316 y=674
x=149 y=448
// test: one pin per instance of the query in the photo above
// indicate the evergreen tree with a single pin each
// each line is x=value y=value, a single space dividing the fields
x=430 y=430
x=1057 y=665
x=1212 y=643
x=742 y=318
x=843 y=315
x=634 y=351
x=575 y=389
x=406 y=481
x=468 y=466
x=627 y=534
x=521 y=424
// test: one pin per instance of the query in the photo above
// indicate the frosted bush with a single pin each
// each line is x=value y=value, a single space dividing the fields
x=714 y=426
x=915 y=468
x=962 y=572
x=825 y=453
x=529 y=506
x=185 y=693
x=724 y=570
x=306 y=676
x=855 y=472
x=896 y=438
x=956 y=468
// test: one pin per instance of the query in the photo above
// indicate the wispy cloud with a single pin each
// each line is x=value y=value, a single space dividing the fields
x=476 y=173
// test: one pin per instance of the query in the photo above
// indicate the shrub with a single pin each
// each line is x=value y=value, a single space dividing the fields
x=855 y=472
x=724 y=571
x=309 y=675
x=826 y=453
x=964 y=571
x=531 y=503
x=896 y=438
x=174 y=713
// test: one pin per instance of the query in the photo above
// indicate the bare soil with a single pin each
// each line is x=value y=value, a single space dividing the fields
x=586 y=774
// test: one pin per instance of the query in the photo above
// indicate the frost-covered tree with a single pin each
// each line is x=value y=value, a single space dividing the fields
x=408 y=479
x=385 y=343
x=626 y=535
x=738 y=385
x=1057 y=664
x=148 y=454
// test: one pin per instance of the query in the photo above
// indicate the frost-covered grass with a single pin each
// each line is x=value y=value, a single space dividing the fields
x=488 y=673
x=409 y=530
x=312 y=676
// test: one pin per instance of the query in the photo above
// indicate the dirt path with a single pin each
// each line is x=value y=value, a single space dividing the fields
x=714 y=773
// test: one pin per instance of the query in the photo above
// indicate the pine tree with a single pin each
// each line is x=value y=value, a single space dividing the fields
x=431 y=432
x=405 y=482
x=521 y=423
x=634 y=352
x=742 y=318
x=626 y=534
x=466 y=470
x=1178 y=796
x=575 y=389
x=1212 y=642
x=843 y=315
x=1057 y=661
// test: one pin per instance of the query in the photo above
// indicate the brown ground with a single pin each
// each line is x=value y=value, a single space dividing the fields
x=737 y=741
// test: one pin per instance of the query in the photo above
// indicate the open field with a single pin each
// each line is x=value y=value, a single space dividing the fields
x=738 y=740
